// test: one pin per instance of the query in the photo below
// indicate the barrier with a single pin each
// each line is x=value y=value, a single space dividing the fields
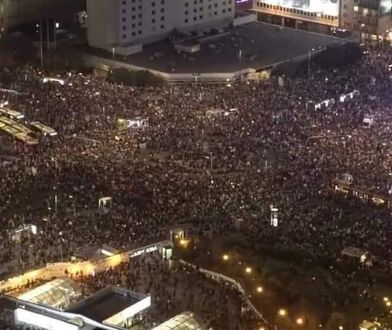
x=218 y=277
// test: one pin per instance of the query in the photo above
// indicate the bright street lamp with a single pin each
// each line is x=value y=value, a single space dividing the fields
x=248 y=270
x=225 y=257
x=282 y=312
x=259 y=289
x=299 y=321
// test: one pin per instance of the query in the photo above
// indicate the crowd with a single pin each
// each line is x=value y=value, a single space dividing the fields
x=203 y=171
x=174 y=288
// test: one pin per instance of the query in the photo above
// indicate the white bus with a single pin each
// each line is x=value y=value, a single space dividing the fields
x=55 y=80
x=11 y=113
x=44 y=129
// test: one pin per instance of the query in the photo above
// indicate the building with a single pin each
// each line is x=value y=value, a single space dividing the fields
x=364 y=19
x=185 y=320
x=310 y=15
x=111 y=308
x=368 y=19
x=243 y=4
x=125 y=25
x=14 y=13
x=59 y=293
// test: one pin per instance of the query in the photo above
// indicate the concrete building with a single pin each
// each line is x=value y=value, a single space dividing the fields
x=368 y=19
x=125 y=25
x=364 y=19
x=14 y=13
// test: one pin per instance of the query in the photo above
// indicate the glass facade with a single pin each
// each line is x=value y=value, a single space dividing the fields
x=59 y=293
x=183 y=321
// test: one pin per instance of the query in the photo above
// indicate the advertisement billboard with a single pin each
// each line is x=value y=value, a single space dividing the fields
x=325 y=7
x=385 y=7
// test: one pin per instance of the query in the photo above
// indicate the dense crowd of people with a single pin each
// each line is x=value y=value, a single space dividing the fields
x=204 y=171
x=174 y=288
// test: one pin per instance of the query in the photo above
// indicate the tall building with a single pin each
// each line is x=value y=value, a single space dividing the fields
x=365 y=19
x=17 y=12
x=123 y=23
x=368 y=19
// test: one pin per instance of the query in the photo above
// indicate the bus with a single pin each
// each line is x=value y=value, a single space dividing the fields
x=44 y=129
x=25 y=138
x=11 y=113
x=15 y=124
x=53 y=80
x=17 y=131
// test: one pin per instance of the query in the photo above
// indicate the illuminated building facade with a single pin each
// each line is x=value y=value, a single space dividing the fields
x=368 y=19
x=364 y=19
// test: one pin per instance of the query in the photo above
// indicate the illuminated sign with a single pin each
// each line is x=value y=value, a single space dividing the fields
x=385 y=7
x=326 y=7
x=142 y=251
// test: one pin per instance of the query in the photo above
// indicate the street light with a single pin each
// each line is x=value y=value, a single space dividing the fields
x=225 y=257
x=282 y=312
x=309 y=55
x=259 y=289
x=248 y=270
x=184 y=242
x=299 y=321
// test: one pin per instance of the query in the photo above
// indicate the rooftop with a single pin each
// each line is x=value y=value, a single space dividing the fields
x=183 y=321
x=254 y=45
x=106 y=303
x=58 y=293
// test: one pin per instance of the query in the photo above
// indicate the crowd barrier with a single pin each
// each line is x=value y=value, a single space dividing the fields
x=74 y=269
x=220 y=278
